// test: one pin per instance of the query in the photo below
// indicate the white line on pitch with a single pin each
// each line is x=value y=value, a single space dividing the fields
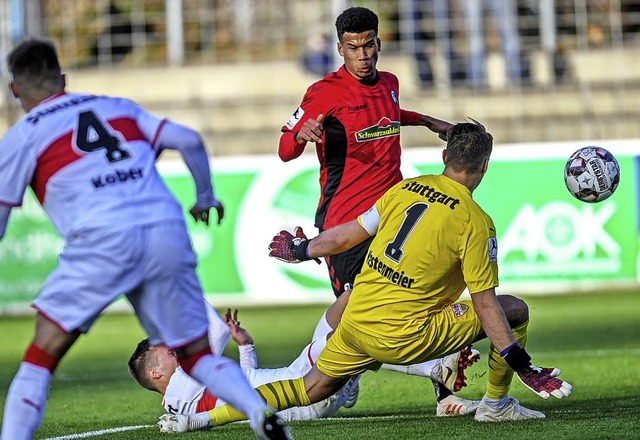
x=101 y=432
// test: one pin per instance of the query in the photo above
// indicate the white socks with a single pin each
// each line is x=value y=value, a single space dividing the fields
x=26 y=401
x=495 y=404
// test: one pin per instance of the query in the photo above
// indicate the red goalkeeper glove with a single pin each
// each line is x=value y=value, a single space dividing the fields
x=541 y=381
x=290 y=248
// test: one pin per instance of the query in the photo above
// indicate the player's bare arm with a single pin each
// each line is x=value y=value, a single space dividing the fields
x=438 y=126
x=337 y=239
x=492 y=318
x=295 y=248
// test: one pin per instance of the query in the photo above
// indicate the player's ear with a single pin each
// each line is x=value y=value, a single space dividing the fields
x=485 y=165
x=154 y=374
x=63 y=80
x=14 y=89
x=379 y=43
x=444 y=156
x=340 y=49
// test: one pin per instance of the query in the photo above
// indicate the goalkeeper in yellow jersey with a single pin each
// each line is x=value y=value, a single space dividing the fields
x=432 y=241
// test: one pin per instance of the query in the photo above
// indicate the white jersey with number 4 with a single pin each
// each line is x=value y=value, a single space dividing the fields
x=90 y=162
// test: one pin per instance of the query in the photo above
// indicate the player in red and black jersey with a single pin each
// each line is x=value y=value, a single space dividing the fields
x=354 y=116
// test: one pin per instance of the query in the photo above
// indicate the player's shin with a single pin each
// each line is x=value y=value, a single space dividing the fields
x=500 y=373
x=25 y=403
x=228 y=383
x=278 y=395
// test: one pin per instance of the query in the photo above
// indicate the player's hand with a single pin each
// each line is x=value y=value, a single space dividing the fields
x=200 y=214
x=543 y=382
x=219 y=207
x=239 y=335
x=290 y=248
x=311 y=130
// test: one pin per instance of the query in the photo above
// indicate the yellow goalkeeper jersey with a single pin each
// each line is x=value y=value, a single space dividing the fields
x=431 y=241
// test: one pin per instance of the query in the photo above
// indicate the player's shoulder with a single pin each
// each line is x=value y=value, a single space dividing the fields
x=388 y=77
x=384 y=74
x=117 y=101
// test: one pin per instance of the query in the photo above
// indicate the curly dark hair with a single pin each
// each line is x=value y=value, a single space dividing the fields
x=356 y=20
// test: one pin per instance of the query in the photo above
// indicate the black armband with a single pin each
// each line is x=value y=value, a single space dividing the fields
x=300 y=251
x=517 y=358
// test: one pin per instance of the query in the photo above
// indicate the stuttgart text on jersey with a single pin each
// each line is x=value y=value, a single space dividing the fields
x=34 y=118
x=431 y=194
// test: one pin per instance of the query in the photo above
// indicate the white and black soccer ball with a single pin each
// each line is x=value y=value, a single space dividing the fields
x=592 y=174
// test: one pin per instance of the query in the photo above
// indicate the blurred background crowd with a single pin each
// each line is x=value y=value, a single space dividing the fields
x=531 y=70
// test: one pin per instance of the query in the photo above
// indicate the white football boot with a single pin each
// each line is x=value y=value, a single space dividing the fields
x=506 y=410
x=450 y=369
x=180 y=423
x=452 y=406
x=353 y=387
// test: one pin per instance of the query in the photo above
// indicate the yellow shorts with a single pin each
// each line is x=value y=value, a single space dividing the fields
x=350 y=351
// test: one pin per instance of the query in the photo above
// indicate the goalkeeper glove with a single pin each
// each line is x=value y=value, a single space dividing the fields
x=541 y=381
x=290 y=248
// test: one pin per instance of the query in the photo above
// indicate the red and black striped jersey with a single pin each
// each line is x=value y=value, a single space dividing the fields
x=360 y=151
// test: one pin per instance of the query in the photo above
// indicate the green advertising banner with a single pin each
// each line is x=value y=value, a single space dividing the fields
x=548 y=240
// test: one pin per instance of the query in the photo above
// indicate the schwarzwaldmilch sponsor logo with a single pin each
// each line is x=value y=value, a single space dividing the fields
x=384 y=128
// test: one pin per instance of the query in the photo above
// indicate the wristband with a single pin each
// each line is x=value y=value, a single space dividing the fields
x=517 y=358
x=504 y=352
x=300 y=251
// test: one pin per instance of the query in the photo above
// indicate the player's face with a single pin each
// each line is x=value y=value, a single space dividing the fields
x=360 y=53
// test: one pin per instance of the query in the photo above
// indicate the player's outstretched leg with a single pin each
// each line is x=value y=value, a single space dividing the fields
x=504 y=410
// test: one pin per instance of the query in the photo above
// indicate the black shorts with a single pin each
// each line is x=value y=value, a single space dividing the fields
x=344 y=267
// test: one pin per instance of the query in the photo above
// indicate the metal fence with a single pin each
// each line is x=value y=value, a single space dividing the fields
x=484 y=55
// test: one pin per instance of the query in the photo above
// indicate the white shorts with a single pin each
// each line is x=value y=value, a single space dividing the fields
x=153 y=265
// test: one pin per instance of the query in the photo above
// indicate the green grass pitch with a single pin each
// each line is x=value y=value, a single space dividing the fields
x=594 y=338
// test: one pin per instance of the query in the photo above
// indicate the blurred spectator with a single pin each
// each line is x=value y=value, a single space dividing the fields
x=115 y=42
x=318 y=55
x=630 y=12
x=538 y=29
x=504 y=15
x=437 y=12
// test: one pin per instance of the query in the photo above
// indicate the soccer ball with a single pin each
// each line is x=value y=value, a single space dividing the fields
x=592 y=174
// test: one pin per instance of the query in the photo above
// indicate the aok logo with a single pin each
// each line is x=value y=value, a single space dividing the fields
x=560 y=239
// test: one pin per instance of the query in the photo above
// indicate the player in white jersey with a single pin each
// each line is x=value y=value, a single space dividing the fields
x=90 y=161
x=155 y=368
x=186 y=401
